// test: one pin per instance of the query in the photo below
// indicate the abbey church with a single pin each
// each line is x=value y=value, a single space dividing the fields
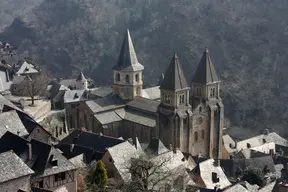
x=185 y=115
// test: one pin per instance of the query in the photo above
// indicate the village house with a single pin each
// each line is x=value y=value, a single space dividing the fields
x=51 y=168
x=15 y=174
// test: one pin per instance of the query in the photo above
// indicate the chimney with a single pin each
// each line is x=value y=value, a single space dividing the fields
x=29 y=151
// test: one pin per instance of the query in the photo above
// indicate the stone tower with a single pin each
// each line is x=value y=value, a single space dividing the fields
x=174 y=111
x=81 y=82
x=128 y=72
x=208 y=110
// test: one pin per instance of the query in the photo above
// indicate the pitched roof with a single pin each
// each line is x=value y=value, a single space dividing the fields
x=94 y=141
x=80 y=77
x=12 y=167
x=26 y=68
x=10 y=121
x=156 y=147
x=71 y=96
x=104 y=104
x=151 y=93
x=128 y=59
x=205 y=72
x=143 y=104
x=140 y=117
x=101 y=91
x=174 y=78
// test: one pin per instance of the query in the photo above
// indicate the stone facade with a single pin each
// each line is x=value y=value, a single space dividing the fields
x=22 y=183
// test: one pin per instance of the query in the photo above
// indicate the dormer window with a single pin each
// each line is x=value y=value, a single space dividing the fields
x=137 y=77
x=127 y=79
x=118 y=77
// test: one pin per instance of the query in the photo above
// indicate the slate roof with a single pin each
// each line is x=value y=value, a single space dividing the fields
x=104 y=104
x=71 y=96
x=205 y=72
x=127 y=60
x=174 y=78
x=143 y=104
x=206 y=169
x=68 y=82
x=152 y=93
x=107 y=117
x=236 y=188
x=41 y=155
x=232 y=166
x=80 y=77
x=156 y=147
x=140 y=117
x=10 y=121
x=94 y=141
x=26 y=68
x=101 y=91
x=12 y=167
x=6 y=105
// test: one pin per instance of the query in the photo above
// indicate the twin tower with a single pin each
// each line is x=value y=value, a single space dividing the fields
x=188 y=118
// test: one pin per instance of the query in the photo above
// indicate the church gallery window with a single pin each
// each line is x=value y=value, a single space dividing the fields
x=181 y=99
x=167 y=99
x=118 y=77
x=127 y=79
x=195 y=136
x=137 y=77
x=212 y=92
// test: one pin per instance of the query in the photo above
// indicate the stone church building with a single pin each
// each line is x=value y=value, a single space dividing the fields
x=189 y=117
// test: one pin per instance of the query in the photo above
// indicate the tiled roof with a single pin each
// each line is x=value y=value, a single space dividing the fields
x=206 y=169
x=71 y=96
x=94 y=141
x=127 y=60
x=12 y=167
x=140 y=117
x=205 y=72
x=10 y=121
x=156 y=147
x=174 y=78
x=152 y=93
x=144 y=104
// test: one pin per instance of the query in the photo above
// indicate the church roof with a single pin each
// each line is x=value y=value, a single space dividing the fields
x=156 y=147
x=205 y=72
x=174 y=78
x=128 y=59
x=80 y=77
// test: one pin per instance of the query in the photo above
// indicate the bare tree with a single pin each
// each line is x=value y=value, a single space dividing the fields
x=36 y=86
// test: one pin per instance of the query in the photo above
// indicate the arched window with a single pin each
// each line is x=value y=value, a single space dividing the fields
x=203 y=134
x=167 y=99
x=118 y=77
x=195 y=136
x=137 y=77
x=181 y=99
x=200 y=109
x=127 y=79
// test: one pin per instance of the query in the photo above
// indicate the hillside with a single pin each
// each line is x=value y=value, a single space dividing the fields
x=247 y=39
x=10 y=9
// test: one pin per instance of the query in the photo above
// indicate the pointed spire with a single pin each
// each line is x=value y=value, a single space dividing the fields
x=80 y=77
x=205 y=72
x=128 y=59
x=174 y=78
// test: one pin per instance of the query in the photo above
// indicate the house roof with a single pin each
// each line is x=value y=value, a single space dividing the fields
x=12 y=167
x=10 y=121
x=174 y=78
x=127 y=60
x=156 y=147
x=41 y=155
x=26 y=68
x=80 y=77
x=143 y=104
x=207 y=168
x=121 y=155
x=94 y=141
x=205 y=72
x=152 y=93
x=71 y=96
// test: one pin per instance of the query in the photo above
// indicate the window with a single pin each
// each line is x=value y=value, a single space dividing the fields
x=59 y=176
x=212 y=92
x=215 y=178
x=195 y=136
x=185 y=121
x=118 y=77
x=203 y=134
x=182 y=99
x=200 y=109
x=137 y=77
x=127 y=79
x=167 y=99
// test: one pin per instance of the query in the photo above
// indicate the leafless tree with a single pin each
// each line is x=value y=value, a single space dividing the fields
x=36 y=86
